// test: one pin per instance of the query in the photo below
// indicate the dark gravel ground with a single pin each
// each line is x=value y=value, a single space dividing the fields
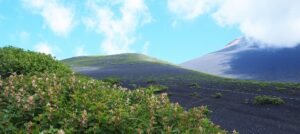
x=233 y=110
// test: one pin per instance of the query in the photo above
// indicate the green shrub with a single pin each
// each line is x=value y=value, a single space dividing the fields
x=281 y=89
x=157 y=88
x=194 y=85
x=46 y=103
x=16 y=60
x=265 y=100
x=112 y=80
x=217 y=95
x=195 y=94
x=150 y=81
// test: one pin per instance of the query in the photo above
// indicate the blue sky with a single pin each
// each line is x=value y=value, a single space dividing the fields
x=172 y=30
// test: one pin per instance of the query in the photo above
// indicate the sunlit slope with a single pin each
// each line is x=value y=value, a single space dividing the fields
x=246 y=59
x=127 y=66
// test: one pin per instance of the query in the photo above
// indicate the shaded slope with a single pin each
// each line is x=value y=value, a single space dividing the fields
x=191 y=89
x=126 y=66
x=243 y=59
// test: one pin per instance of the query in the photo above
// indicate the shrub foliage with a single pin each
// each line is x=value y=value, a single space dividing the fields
x=264 y=100
x=16 y=60
x=41 y=95
x=47 y=103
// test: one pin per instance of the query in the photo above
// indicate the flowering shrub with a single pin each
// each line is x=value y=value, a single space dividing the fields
x=50 y=103
x=26 y=62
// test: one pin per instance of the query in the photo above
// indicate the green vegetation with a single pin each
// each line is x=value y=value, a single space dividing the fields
x=193 y=79
x=157 y=88
x=104 y=61
x=194 y=85
x=217 y=95
x=16 y=60
x=112 y=80
x=195 y=94
x=265 y=100
x=57 y=101
x=281 y=89
x=150 y=81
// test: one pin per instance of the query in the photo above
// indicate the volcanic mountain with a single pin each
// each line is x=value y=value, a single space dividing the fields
x=193 y=89
x=247 y=59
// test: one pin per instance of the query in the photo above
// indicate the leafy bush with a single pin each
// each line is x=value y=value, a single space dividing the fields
x=46 y=103
x=150 y=81
x=157 y=88
x=264 y=100
x=16 y=60
x=112 y=80
x=195 y=94
x=281 y=89
x=217 y=95
x=194 y=85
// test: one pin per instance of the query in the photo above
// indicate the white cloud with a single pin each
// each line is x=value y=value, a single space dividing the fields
x=44 y=48
x=57 y=16
x=119 y=28
x=146 y=47
x=274 y=22
x=24 y=36
x=189 y=9
x=80 y=51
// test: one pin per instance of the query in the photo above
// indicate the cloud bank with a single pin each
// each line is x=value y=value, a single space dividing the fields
x=118 y=26
x=189 y=9
x=43 y=47
x=275 y=23
x=57 y=16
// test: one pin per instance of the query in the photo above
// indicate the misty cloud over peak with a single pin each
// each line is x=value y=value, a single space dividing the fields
x=274 y=23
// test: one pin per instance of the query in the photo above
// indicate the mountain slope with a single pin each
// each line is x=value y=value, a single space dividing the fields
x=244 y=59
x=126 y=66
x=192 y=89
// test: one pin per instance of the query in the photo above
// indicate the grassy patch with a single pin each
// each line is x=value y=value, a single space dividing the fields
x=112 y=80
x=217 y=95
x=267 y=100
x=194 y=85
x=281 y=89
x=195 y=94
x=157 y=88
x=150 y=81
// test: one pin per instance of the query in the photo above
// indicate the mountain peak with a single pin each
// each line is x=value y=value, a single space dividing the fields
x=248 y=59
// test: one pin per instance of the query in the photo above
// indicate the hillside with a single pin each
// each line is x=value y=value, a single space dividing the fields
x=49 y=99
x=247 y=59
x=125 y=66
x=230 y=99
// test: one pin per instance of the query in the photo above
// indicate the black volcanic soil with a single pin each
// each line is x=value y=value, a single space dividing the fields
x=233 y=110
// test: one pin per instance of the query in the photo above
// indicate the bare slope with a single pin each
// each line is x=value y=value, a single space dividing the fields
x=233 y=110
x=245 y=59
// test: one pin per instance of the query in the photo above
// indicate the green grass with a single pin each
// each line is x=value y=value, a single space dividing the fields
x=267 y=100
x=130 y=58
